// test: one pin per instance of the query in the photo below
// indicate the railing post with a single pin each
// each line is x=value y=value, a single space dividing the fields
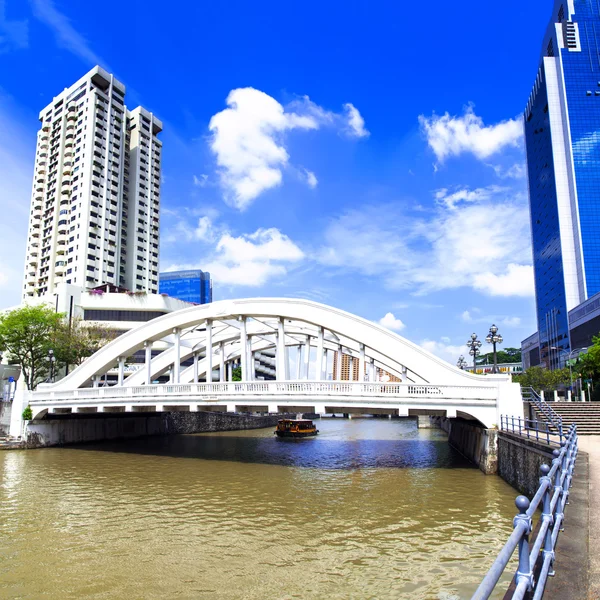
x=524 y=570
x=547 y=516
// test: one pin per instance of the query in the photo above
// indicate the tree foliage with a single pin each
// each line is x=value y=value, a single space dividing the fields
x=29 y=332
x=505 y=356
x=26 y=333
x=76 y=341
x=541 y=379
x=236 y=374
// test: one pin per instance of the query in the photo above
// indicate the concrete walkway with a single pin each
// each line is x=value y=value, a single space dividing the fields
x=591 y=445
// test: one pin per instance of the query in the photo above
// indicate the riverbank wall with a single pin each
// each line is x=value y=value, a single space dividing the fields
x=519 y=461
x=474 y=442
x=79 y=429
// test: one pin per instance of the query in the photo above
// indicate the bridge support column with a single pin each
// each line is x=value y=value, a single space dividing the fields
x=361 y=364
x=243 y=352
x=121 y=371
x=177 y=361
x=299 y=362
x=319 y=361
x=307 y=358
x=209 y=352
x=231 y=408
x=195 y=367
x=229 y=371
x=281 y=354
x=320 y=409
x=148 y=361
x=338 y=364
x=221 y=362
x=273 y=408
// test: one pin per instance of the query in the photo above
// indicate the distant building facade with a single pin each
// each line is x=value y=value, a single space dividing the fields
x=95 y=200
x=561 y=123
x=190 y=286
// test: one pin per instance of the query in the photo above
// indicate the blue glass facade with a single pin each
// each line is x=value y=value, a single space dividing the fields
x=562 y=136
x=551 y=303
x=191 y=286
x=582 y=86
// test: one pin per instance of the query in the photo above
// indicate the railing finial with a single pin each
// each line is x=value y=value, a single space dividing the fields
x=522 y=503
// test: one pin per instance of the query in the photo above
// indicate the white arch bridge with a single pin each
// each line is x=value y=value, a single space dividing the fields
x=294 y=342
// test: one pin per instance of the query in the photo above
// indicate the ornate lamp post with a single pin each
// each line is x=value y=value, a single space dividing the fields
x=462 y=363
x=493 y=337
x=52 y=362
x=474 y=344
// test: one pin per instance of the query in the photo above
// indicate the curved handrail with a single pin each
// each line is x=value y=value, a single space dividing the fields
x=552 y=495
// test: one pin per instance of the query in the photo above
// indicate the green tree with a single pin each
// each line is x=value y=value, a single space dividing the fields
x=26 y=333
x=505 y=356
x=541 y=379
x=236 y=374
x=74 y=342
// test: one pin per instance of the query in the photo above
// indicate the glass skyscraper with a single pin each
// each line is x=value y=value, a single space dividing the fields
x=191 y=286
x=562 y=138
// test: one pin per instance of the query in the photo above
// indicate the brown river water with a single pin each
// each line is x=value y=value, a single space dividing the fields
x=371 y=508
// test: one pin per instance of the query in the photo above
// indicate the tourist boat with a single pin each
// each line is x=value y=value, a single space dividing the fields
x=295 y=428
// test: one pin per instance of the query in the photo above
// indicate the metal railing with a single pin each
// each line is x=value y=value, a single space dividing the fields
x=540 y=431
x=530 y=395
x=535 y=564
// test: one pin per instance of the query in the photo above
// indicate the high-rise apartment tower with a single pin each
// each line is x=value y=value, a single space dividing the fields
x=562 y=136
x=96 y=192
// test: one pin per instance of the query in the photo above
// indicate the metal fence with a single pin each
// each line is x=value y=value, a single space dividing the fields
x=536 y=564
x=540 y=431
x=530 y=395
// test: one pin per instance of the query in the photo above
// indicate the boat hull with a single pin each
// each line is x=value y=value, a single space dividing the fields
x=296 y=434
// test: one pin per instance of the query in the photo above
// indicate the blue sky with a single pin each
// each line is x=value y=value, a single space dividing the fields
x=364 y=155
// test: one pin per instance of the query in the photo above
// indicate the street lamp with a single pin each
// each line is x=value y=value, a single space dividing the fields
x=579 y=350
x=462 y=363
x=493 y=337
x=474 y=344
x=51 y=361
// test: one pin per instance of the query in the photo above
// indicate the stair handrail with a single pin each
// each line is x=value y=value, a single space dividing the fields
x=544 y=407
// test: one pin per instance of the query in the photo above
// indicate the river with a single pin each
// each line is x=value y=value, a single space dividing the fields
x=371 y=508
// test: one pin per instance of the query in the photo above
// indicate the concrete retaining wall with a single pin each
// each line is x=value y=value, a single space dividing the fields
x=5 y=410
x=473 y=441
x=519 y=461
x=75 y=430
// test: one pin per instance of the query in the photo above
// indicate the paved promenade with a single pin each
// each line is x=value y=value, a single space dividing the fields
x=591 y=445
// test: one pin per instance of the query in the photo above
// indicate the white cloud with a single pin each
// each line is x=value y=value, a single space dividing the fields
x=517 y=171
x=504 y=321
x=66 y=34
x=391 y=322
x=181 y=231
x=454 y=248
x=516 y=280
x=200 y=181
x=451 y=199
x=14 y=35
x=444 y=350
x=453 y=136
x=311 y=179
x=248 y=140
x=356 y=123
x=250 y=259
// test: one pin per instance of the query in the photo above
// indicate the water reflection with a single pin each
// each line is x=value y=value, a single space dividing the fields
x=368 y=509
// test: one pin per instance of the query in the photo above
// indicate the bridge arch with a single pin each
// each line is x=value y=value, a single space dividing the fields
x=210 y=338
x=260 y=324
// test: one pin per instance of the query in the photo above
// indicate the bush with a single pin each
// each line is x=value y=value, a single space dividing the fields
x=27 y=414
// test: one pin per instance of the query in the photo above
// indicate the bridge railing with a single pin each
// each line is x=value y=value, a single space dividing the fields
x=536 y=563
x=540 y=431
x=530 y=395
x=274 y=388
